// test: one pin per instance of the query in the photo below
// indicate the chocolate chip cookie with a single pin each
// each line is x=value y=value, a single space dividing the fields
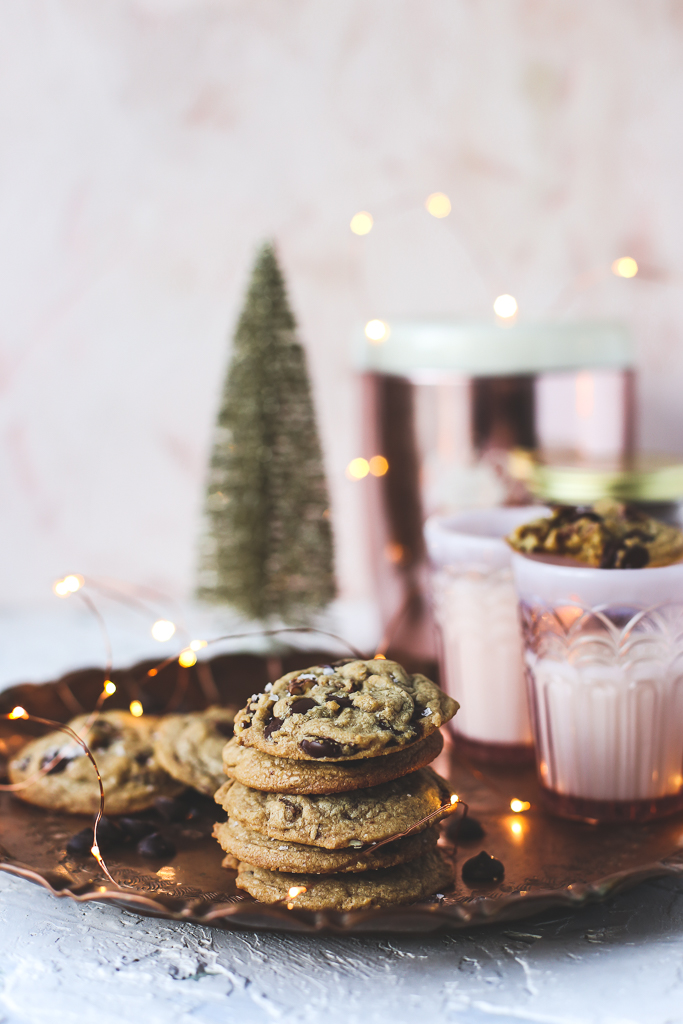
x=190 y=747
x=123 y=747
x=404 y=883
x=337 y=820
x=247 y=845
x=357 y=710
x=253 y=768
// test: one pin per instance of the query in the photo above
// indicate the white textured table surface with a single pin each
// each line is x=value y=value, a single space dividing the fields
x=60 y=962
x=616 y=963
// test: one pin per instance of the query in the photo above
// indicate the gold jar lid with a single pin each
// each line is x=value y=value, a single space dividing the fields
x=571 y=481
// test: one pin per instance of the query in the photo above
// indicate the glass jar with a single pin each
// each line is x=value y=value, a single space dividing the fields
x=604 y=658
x=475 y=606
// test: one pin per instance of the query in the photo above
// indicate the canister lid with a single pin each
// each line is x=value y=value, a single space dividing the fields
x=644 y=477
x=426 y=349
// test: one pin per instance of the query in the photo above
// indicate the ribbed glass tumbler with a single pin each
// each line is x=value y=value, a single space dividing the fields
x=604 y=665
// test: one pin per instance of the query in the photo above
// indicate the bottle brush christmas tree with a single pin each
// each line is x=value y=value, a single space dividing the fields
x=267 y=550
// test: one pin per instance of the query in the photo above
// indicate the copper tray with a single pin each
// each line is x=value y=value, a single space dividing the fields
x=548 y=862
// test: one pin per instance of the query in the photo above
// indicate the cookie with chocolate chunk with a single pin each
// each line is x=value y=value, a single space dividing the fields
x=607 y=536
x=123 y=747
x=275 y=855
x=356 y=710
x=253 y=768
x=404 y=883
x=337 y=820
x=190 y=747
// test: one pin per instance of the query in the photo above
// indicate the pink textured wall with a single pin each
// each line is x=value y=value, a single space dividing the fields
x=147 y=147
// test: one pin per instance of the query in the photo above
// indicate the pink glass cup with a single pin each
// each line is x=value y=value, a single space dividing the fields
x=603 y=652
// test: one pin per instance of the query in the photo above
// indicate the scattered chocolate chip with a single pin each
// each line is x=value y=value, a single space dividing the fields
x=170 y=808
x=463 y=830
x=109 y=833
x=136 y=828
x=295 y=687
x=80 y=844
x=321 y=747
x=301 y=706
x=342 y=700
x=483 y=868
x=273 y=725
x=226 y=729
x=156 y=845
x=418 y=711
x=635 y=557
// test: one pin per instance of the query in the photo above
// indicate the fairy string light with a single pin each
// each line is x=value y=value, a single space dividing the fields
x=21 y=713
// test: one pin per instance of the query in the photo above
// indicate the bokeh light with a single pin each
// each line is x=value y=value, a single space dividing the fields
x=378 y=465
x=136 y=709
x=187 y=658
x=163 y=630
x=438 y=204
x=357 y=469
x=361 y=223
x=109 y=687
x=505 y=306
x=376 y=331
x=625 y=266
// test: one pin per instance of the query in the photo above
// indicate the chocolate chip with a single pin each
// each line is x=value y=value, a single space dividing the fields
x=226 y=729
x=301 y=706
x=634 y=557
x=483 y=868
x=342 y=701
x=59 y=767
x=609 y=554
x=463 y=830
x=109 y=833
x=321 y=747
x=355 y=687
x=273 y=725
x=170 y=808
x=156 y=845
x=136 y=828
x=80 y=844
x=295 y=810
x=295 y=687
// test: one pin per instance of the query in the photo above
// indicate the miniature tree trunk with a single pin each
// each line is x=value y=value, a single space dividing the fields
x=268 y=547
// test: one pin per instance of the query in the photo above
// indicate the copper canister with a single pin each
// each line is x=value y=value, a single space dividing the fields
x=446 y=402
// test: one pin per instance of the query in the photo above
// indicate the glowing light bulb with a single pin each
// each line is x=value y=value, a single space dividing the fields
x=380 y=657
x=516 y=827
x=197 y=645
x=187 y=658
x=378 y=465
x=73 y=583
x=361 y=223
x=376 y=331
x=136 y=709
x=357 y=469
x=163 y=630
x=296 y=890
x=109 y=687
x=438 y=204
x=519 y=805
x=505 y=306
x=18 y=712
x=454 y=798
x=625 y=266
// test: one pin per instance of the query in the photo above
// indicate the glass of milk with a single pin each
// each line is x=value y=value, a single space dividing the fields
x=475 y=606
x=603 y=651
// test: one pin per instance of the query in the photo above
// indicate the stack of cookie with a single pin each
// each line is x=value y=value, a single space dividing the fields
x=326 y=765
